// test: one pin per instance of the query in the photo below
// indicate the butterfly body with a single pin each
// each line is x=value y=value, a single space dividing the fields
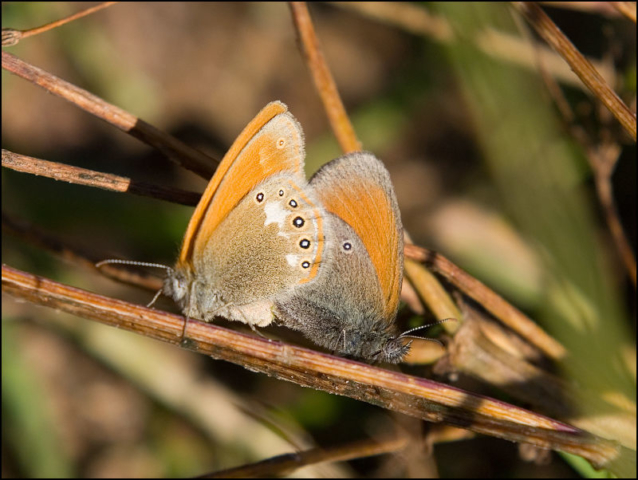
x=323 y=257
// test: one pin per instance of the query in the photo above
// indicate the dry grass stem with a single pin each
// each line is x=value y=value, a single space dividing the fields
x=479 y=349
x=283 y=465
x=414 y=396
x=91 y=178
x=599 y=8
x=323 y=79
x=547 y=29
x=490 y=300
x=174 y=149
x=11 y=36
x=74 y=254
x=628 y=9
x=432 y=293
x=602 y=159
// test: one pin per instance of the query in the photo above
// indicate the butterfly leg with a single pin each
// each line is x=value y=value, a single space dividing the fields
x=184 y=339
x=342 y=334
x=254 y=329
x=159 y=292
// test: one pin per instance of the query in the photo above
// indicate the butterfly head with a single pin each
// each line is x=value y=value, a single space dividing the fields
x=177 y=285
x=396 y=348
x=378 y=343
x=393 y=350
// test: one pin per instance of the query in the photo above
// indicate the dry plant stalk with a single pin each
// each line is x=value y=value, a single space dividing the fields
x=286 y=464
x=74 y=254
x=11 y=36
x=628 y=9
x=414 y=396
x=324 y=81
x=603 y=162
x=91 y=178
x=490 y=300
x=547 y=29
x=602 y=159
x=184 y=155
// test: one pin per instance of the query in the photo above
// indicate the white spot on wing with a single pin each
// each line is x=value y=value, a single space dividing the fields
x=275 y=213
x=292 y=259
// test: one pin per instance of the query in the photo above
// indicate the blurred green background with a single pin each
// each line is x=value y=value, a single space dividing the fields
x=484 y=169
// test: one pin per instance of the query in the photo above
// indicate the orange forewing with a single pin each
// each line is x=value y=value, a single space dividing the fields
x=240 y=171
x=357 y=197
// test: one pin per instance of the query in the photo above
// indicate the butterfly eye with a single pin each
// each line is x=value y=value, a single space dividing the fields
x=260 y=197
x=298 y=222
x=305 y=243
x=281 y=143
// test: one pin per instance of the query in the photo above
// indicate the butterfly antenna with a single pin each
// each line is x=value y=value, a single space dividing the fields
x=139 y=264
x=407 y=333
x=403 y=335
x=132 y=262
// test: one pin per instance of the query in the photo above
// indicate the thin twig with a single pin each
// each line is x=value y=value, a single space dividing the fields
x=490 y=300
x=174 y=149
x=602 y=159
x=547 y=29
x=75 y=254
x=598 y=8
x=485 y=350
x=11 y=36
x=414 y=396
x=628 y=9
x=91 y=178
x=286 y=464
x=323 y=79
x=431 y=292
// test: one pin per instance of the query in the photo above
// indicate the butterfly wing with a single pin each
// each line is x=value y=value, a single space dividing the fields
x=271 y=143
x=256 y=232
x=350 y=306
x=357 y=189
